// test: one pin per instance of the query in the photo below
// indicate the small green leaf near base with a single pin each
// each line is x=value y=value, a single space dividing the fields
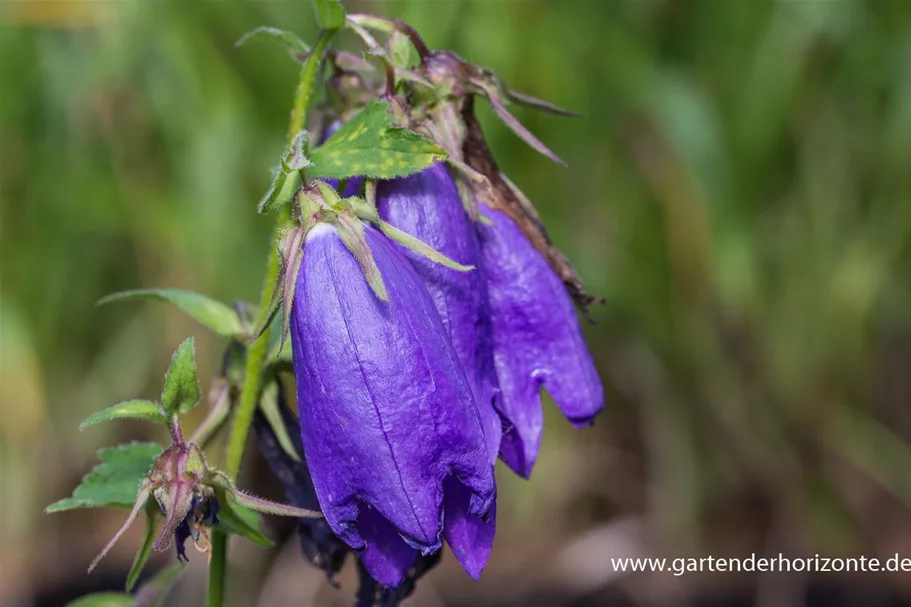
x=181 y=387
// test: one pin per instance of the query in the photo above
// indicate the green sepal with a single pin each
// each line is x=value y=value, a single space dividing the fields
x=131 y=409
x=181 y=387
x=366 y=210
x=210 y=312
x=351 y=231
x=269 y=405
x=113 y=482
x=289 y=40
x=420 y=247
x=239 y=520
x=292 y=254
x=269 y=507
x=142 y=499
x=369 y=144
x=329 y=13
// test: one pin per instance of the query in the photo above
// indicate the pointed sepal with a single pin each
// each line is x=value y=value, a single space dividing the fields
x=351 y=231
x=291 y=247
x=420 y=247
x=269 y=507
x=145 y=490
x=496 y=102
x=366 y=210
x=538 y=104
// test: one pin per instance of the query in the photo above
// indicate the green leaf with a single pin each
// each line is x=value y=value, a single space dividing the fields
x=154 y=593
x=369 y=144
x=286 y=180
x=181 y=388
x=145 y=550
x=296 y=157
x=400 y=50
x=114 y=482
x=103 y=599
x=131 y=409
x=329 y=13
x=281 y=192
x=289 y=40
x=210 y=312
x=241 y=521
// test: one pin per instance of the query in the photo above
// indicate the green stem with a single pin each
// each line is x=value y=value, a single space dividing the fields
x=215 y=597
x=256 y=352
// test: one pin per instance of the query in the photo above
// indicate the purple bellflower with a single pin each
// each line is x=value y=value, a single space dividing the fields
x=390 y=429
x=427 y=205
x=536 y=341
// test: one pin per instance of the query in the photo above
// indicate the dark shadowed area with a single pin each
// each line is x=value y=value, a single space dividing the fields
x=738 y=190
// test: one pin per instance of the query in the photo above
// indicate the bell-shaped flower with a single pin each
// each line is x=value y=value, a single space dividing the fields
x=537 y=341
x=427 y=205
x=390 y=429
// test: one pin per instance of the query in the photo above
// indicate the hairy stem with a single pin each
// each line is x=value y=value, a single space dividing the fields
x=256 y=352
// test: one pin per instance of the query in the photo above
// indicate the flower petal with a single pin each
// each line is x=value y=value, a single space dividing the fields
x=537 y=340
x=471 y=538
x=385 y=556
x=427 y=205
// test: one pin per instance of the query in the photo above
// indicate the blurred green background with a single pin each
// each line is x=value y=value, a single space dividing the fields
x=739 y=190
